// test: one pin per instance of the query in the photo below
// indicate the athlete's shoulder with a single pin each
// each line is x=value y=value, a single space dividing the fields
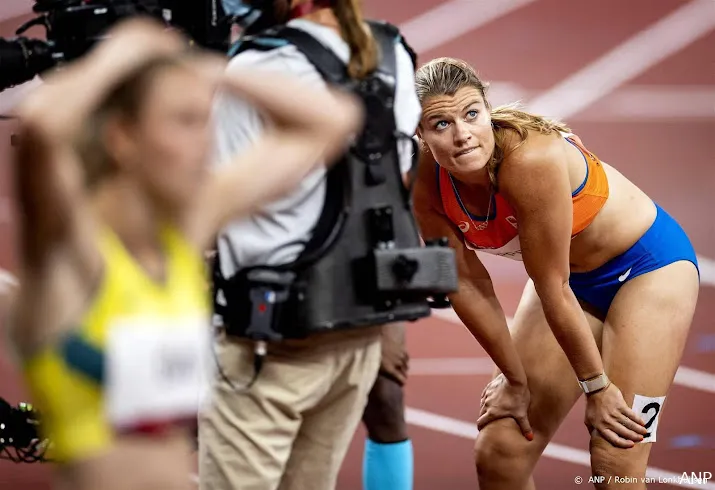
x=538 y=156
x=535 y=147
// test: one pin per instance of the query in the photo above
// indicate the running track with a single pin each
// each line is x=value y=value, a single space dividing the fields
x=636 y=81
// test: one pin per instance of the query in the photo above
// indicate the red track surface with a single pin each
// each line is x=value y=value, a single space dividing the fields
x=536 y=47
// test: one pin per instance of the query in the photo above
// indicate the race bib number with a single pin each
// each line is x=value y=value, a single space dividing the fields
x=157 y=371
x=649 y=410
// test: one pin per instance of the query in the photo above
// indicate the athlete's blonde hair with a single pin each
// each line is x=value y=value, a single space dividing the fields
x=445 y=76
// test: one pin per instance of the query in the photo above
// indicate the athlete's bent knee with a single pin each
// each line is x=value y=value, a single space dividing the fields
x=384 y=416
x=502 y=453
x=614 y=467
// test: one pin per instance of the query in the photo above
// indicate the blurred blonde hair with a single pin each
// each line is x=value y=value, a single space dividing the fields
x=445 y=76
x=364 y=53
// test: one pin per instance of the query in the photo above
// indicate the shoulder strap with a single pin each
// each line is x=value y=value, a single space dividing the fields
x=261 y=42
x=410 y=51
x=331 y=67
x=334 y=71
x=324 y=59
x=393 y=32
x=386 y=35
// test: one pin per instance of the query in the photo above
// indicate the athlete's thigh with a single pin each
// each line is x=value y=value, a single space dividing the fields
x=552 y=383
x=644 y=336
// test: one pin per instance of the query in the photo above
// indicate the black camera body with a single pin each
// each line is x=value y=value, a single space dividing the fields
x=74 y=26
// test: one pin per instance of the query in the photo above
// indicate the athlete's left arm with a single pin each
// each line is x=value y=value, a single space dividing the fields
x=535 y=181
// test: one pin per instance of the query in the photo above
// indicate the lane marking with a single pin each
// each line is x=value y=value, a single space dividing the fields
x=628 y=60
x=477 y=366
x=8 y=282
x=685 y=376
x=560 y=452
x=451 y=20
x=641 y=103
x=707 y=268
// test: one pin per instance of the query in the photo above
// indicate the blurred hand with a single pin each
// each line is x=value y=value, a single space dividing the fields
x=137 y=40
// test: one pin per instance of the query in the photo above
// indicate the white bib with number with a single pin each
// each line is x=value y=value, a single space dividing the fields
x=648 y=408
x=156 y=369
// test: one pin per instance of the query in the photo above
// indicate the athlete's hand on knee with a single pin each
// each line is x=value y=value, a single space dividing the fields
x=502 y=399
x=395 y=360
x=608 y=413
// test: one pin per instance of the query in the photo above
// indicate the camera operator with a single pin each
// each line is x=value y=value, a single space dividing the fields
x=116 y=200
x=292 y=428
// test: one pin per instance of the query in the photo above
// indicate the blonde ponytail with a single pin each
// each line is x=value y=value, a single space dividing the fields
x=363 y=47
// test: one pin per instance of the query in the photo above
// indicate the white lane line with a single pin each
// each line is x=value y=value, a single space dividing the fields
x=467 y=430
x=627 y=60
x=451 y=20
x=685 y=376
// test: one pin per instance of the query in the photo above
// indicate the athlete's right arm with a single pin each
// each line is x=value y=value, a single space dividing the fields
x=475 y=301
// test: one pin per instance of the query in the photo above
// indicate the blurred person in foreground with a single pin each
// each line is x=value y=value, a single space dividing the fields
x=116 y=205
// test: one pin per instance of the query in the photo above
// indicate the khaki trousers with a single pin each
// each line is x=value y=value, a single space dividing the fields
x=292 y=428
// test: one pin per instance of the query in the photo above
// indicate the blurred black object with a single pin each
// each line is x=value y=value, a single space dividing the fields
x=20 y=441
x=74 y=26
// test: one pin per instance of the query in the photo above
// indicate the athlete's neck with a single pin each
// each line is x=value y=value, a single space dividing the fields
x=127 y=210
x=473 y=181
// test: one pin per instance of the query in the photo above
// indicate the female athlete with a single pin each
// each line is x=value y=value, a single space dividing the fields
x=613 y=279
x=113 y=314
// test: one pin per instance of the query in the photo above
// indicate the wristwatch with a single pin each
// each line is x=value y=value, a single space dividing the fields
x=597 y=383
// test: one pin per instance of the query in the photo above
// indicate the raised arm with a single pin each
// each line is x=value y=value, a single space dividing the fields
x=307 y=128
x=62 y=103
x=48 y=178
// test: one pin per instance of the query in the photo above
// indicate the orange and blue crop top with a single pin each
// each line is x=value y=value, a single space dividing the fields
x=497 y=233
